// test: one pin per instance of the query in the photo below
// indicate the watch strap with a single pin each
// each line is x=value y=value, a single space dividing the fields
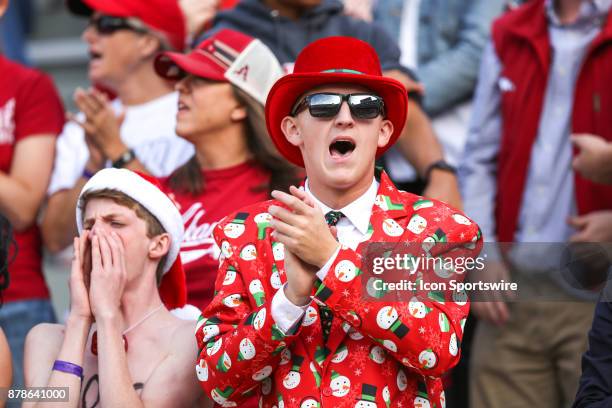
x=440 y=165
x=124 y=159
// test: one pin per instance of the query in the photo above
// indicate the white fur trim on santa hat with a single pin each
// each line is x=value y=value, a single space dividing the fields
x=146 y=194
x=187 y=312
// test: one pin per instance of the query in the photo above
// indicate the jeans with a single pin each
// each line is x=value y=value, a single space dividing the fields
x=16 y=319
x=14 y=29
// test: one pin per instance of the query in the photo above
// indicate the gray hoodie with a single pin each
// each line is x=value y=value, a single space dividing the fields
x=286 y=37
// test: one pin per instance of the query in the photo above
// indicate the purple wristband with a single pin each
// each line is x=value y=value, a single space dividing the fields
x=88 y=174
x=69 y=368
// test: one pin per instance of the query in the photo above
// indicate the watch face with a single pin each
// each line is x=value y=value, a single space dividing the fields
x=445 y=166
x=124 y=159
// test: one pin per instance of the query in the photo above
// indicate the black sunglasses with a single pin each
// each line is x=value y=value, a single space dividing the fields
x=327 y=105
x=109 y=24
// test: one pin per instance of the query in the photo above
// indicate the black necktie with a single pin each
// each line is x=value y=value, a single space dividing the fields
x=326 y=321
x=332 y=218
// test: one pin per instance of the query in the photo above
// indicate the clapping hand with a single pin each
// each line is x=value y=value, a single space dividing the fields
x=101 y=125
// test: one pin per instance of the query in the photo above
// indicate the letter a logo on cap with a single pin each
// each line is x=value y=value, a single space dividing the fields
x=244 y=71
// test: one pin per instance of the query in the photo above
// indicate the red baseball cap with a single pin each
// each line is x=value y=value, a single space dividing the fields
x=333 y=60
x=228 y=56
x=164 y=16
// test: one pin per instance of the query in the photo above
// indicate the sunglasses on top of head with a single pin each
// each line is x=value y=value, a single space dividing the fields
x=327 y=105
x=109 y=24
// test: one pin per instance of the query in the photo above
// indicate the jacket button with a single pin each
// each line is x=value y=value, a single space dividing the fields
x=327 y=391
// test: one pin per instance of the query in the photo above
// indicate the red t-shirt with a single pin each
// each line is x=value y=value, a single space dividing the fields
x=29 y=106
x=226 y=191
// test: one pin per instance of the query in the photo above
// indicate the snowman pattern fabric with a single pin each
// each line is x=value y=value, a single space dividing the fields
x=378 y=354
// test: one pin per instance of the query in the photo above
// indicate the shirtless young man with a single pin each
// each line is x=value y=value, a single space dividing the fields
x=121 y=346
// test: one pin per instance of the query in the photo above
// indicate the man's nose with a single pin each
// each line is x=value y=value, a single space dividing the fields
x=89 y=34
x=96 y=228
x=182 y=86
x=344 y=116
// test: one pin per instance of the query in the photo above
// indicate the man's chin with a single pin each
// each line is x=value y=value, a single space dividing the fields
x=342 y=180
x=100 y=80
x=185 y=131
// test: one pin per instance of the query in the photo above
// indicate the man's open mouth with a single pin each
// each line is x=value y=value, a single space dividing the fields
x=341 y=147
x=93 y=55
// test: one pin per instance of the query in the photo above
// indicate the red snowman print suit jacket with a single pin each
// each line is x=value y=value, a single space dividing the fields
x=378 y=354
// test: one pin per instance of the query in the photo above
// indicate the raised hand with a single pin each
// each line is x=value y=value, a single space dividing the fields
x=300 y=279
x=101 y=124
x=79 y=278
x=302 y=228
x=493 y=308
x=108 y=274
x=593 y=158
x=595 y=226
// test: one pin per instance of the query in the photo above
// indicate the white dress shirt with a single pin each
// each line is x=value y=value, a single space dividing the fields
x=351 y=230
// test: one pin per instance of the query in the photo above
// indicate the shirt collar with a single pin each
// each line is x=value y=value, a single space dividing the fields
x=589 y=10
x=359 y=211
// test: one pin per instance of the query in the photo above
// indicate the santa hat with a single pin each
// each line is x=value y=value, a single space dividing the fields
x=147 y=192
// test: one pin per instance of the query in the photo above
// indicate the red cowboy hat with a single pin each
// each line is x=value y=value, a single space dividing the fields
x=333 y=60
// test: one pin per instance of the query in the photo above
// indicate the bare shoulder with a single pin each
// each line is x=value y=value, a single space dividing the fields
x=183 y=335
x=177 y=342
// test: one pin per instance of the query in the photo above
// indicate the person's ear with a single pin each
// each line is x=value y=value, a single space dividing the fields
x=385 y=132
x=238 y=114
x=159 y=246
x=291 y=131
x=149 y=45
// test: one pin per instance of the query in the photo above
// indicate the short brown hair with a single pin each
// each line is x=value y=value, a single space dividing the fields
x=154 y=227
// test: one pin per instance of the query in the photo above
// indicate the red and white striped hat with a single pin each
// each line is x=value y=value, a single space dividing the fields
x=227 y=56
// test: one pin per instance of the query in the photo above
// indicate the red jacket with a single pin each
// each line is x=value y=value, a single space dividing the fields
x=366 y=360
x=522 y=43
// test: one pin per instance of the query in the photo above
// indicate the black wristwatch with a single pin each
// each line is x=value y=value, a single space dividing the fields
x=124 y=159
x=440 y=165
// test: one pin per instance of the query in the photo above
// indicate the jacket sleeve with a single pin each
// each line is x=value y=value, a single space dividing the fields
x=445 y=87
x=388 y=52
x=595 y=389
x=239 y=344
x=421 y=329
